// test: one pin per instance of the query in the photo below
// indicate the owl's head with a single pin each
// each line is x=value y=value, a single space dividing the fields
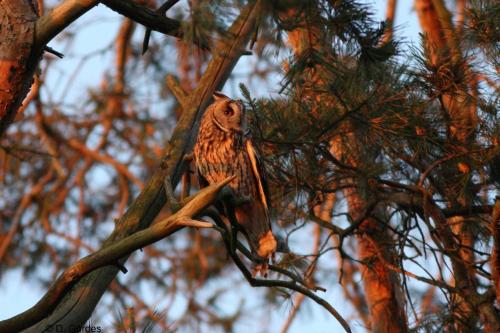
x=228 y=114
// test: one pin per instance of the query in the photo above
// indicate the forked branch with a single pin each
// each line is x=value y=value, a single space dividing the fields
x=112 y=255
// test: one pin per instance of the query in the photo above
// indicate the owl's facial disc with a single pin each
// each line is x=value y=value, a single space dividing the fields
x=228 y=116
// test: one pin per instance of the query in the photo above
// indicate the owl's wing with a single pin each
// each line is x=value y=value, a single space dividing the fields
x=258 y=173
x=254 y=217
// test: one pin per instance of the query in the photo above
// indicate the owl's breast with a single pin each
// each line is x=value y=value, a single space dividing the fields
x=218 y=159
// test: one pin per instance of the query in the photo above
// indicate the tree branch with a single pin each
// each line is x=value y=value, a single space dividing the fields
x=111 y=254
x=52 y=23
x=162 y=10
x=176 y=89
x=145 y=16
x=292 y=285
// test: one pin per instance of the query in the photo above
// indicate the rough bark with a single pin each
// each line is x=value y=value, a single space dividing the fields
x=17 y=58
x=381 y=285
x=24 y=37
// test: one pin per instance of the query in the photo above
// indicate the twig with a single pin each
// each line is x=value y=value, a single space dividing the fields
x=273 y=283
x=58 y=54
x=289 y=285
x=162 y=10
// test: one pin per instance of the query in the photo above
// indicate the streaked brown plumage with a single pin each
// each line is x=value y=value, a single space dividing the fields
x=222 y=149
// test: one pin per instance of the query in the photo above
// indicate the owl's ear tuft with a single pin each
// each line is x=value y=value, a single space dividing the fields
x=218 y=96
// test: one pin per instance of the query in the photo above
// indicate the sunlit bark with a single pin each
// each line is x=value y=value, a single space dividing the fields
x=17 y=58
x=445 y=54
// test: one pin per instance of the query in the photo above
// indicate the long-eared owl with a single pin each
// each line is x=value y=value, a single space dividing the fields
x=224 y=149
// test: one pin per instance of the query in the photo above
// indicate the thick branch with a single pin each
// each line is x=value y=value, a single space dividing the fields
x=145 y=16
x=111 y=254
x=68 y=11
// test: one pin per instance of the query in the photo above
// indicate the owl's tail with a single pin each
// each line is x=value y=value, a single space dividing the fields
x=257 y=228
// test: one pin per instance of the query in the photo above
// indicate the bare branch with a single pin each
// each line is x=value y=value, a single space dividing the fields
x=289 y=285
x=177 y=90
x=162 y=10
x=297 y=284
x=145 y=16
x=114 y=253
x=52 y=23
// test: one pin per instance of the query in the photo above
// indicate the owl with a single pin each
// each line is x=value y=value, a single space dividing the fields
x=223 y=149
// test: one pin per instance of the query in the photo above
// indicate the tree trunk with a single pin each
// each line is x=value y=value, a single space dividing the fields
x=382 y=285
x=18 y=60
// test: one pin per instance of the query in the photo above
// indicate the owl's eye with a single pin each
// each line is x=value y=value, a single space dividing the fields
x=228 y=112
